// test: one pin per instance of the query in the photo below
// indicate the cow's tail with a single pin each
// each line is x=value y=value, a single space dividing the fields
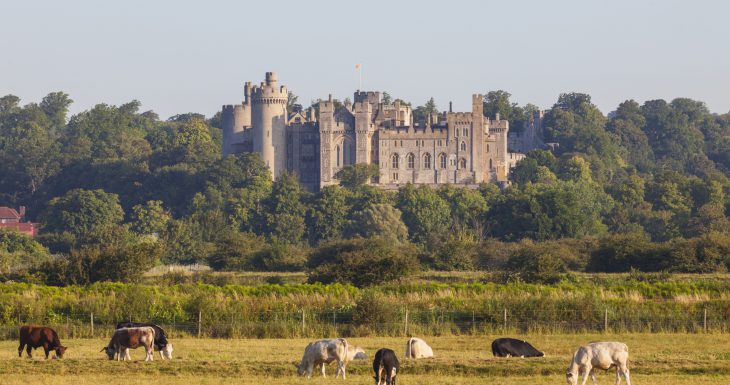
x=347 y=349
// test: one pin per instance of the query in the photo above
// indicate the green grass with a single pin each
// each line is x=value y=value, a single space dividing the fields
x=655 y=358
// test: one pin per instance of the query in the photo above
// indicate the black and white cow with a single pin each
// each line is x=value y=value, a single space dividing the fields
x=161 y=343
x=510 y=347
x=385 y=366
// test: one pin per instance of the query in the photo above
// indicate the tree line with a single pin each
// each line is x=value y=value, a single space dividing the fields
x=644 y=187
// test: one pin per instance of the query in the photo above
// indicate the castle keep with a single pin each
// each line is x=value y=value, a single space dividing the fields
x=463 y=148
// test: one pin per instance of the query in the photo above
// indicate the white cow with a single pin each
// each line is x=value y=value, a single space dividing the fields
x=418 y=348
x=125 y=338
x=323 y=352
x=601 y=355
x=356 y=353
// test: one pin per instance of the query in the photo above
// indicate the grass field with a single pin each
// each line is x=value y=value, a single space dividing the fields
x=655 y=358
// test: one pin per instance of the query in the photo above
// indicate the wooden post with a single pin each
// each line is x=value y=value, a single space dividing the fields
x=200 y=323
x=505 y=319
x=405 y=325
x=92 y=324
x=473 y=324
x=334 y=318
x=704 y=321
x=605 y=321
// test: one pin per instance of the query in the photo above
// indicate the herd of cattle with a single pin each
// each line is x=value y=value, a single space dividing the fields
x=131 y=335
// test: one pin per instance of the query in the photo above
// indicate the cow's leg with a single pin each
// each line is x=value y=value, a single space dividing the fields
x=310 y=369
x=586 y=372
x=126 y=354
x=593 y=377
x=625 y=370
x=20 y=349
x=29 y=351
x=322 y=369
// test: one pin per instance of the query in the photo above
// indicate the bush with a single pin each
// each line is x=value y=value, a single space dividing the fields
x=622 y=252
x=362 y=262
x=706 y=254
x=236 y=252
x=373 y=309
x=538 y=263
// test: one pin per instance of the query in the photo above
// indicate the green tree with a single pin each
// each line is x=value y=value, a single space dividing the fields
x=355 y=176
x=380 y=220
x=55 y=106
x=80 y=211
x=424 y=212
x=328 y=215
x=284 y=217
x=150 y=218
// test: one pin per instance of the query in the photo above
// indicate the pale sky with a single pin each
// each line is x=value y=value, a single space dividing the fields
x=184 y=56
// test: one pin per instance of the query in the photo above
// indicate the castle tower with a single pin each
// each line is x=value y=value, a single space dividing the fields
x=477 y=137
x=235 y=120
x=268 y=118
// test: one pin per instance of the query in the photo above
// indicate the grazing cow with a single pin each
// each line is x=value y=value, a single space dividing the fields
x=510 y=347
x=323 y=352
x=36 y=336
x=124 y=339
x=356 y=353
x=418 y=348
x=161 y=344
x=385 y=366
x=601 y=355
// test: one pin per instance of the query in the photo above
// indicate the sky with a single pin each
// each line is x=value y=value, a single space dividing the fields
x=194 y=56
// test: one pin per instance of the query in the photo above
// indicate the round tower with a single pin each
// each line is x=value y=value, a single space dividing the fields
x=268 y=119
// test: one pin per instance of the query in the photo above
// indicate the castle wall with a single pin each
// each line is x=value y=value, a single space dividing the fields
x=269 y=120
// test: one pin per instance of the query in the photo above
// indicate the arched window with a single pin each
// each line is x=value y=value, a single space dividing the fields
x=427 y=161
x=490 y=164
x=463 y=146
x=487 y=147
x=466 y=132
x=462 y=163
x=442 y=160
x=411 y=159
x=394 y=161
x=337 y=148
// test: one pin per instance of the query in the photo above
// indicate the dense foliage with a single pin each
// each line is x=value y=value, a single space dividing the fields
x=644 y=187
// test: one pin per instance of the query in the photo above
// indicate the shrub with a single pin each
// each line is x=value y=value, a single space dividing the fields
x=362 y=262
x=538 y=263
x=621 y=252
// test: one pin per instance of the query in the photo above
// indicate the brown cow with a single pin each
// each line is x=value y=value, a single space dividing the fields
x=126 y=338
x=36 y=336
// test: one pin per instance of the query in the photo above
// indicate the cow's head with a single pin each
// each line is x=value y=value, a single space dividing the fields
x=167 y=351
x=59 y=351
x=109 y=351
x=571 y=378
x=301 y=369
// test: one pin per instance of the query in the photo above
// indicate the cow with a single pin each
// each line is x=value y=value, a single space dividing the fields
x=356 y=353
x=323 y=352
x=511 y=347
x=600 y=355
x=418 y=348
x=125 y=338
x=36 y=336
x=385 y=367
x=162 y=345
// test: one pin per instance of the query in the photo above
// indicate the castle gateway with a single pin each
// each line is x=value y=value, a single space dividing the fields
x=460 y=148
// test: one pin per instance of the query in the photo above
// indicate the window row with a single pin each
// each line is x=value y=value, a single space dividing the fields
x=411 y=161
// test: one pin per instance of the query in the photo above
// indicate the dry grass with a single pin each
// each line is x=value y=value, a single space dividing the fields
x=655 y=358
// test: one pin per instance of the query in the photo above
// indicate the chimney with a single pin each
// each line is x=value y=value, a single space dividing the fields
x=21 y=212
x=450 y=110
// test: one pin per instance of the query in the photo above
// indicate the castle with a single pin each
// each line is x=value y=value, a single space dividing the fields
x=461 y=148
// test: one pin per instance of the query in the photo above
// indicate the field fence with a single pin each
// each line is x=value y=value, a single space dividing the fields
x=393 y=322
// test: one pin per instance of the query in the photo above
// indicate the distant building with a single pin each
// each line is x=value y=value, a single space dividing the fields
x=461 y=148
x=11 y=219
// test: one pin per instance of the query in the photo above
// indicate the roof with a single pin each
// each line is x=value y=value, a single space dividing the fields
x=25 y=227
x=8 y=213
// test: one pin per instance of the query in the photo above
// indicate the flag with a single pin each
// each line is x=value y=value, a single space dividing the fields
x=357 y=66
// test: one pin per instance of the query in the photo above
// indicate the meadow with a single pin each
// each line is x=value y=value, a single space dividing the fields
x=668 y=359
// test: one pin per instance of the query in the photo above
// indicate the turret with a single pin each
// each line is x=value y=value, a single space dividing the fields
x=269 y=123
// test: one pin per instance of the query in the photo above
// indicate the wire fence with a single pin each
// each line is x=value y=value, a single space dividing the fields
x=394 y=322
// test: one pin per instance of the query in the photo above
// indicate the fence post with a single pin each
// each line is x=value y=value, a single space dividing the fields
x=334 y=318
x=704 y=321
x=200 y=323
x=405 y=325
x=303 y=324
x=505 y=319
x=605 y=321
x=92 y=324
x=473 y=325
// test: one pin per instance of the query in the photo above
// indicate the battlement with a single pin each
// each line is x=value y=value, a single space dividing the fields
x=372 y=97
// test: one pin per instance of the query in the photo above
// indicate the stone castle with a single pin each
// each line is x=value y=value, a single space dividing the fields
x=460 y=148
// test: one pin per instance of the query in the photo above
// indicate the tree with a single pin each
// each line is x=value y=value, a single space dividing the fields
x=328 y=215
x=55 y=106
x=538 y=263
x=150 y=218
x=236 y=251
x=354 y=176
x=362 y=262
x=80 y=211
x=284 y=217
x=380 y=220
x=626 y=125
x=387 y=99
x=291 y=101
x=424 y=212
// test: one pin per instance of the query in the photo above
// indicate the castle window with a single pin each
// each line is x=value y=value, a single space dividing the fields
x=462 y=163
x=427 y=161
x=395 y=176
x=487 y=147
x=442 y=160
x=466 y=132
x=490 y=164
x=338 y=155
x=411 y=161
x=401 y=143
x=394 y=161
x=463 y=146
x=440 y=143
x=416 y=143
x=395 y=143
